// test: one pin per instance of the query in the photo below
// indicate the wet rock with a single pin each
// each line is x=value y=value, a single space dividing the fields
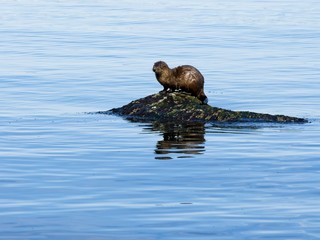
x=180 y=107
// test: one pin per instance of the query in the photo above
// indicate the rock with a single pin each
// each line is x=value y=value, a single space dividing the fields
x=180 y=107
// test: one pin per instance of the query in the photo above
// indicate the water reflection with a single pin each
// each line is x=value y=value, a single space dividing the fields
x=179 y=140
x=187 y=140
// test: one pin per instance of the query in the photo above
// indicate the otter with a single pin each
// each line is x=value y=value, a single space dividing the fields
x=182 y=78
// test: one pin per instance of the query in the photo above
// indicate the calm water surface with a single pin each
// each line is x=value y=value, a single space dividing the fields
x=66 y=174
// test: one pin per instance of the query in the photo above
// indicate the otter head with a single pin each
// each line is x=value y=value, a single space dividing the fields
x=159 y=67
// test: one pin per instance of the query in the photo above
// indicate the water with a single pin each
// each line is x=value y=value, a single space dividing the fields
x=69 y=175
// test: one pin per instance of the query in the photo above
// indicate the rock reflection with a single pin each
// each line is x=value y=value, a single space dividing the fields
x=179 y=140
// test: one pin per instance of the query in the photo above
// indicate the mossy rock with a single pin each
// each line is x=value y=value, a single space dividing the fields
x=181 y=107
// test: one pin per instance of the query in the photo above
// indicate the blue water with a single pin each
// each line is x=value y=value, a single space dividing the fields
x=66 y=174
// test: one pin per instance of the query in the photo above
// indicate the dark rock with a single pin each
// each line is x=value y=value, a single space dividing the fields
x=180 y=107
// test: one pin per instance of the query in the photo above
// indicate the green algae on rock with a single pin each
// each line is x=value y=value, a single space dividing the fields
x=180 y=107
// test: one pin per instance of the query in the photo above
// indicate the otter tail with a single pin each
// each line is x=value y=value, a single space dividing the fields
x=202 y=97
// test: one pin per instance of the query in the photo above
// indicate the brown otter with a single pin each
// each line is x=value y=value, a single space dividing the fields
x=185 y=78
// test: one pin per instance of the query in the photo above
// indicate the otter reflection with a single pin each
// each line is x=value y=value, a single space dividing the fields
x=179 y=140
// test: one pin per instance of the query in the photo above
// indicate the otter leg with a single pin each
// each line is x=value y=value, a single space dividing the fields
x=185 y=91
x=165 y=89
x=170 y=89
